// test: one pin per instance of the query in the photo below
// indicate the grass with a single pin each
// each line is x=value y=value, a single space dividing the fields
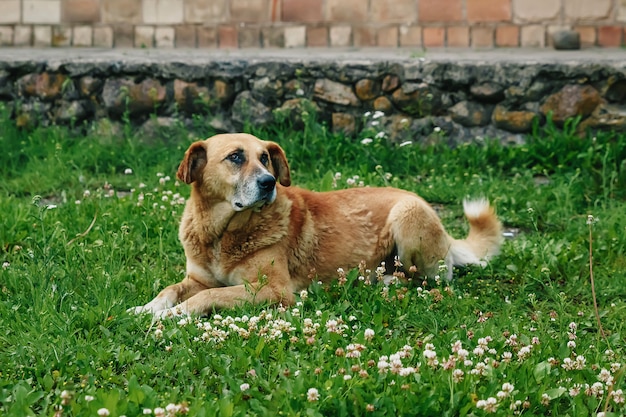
x=89 y=229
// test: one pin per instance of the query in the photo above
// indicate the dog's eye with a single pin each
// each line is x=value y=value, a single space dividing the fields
x=235 y=157
x=265 y=159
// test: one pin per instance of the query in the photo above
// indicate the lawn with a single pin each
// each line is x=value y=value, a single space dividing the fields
x=89 y=229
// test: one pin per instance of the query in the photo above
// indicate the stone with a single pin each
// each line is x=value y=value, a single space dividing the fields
x=344 y=123
x=6 y=86
x=29 y=115
x=157 y=130
x=89 y=85
x=122 y=94
x=538 y=90
x=367 y=89
x=518 y=121
x=615 y=90
x=247 y=109
x=223 y=91
x=469 y=113
x=487 y=91
x=46 y=86
x=295 y=109
x=107 y=130
x=418 y=99
x=266 y=89
x=398 y=128
x=571 y=101
x=335 y=92
x=72 y=111
x=566 y=40
x=605 y=117
x=390 y=83
x=190 y=97
x=297 y=88
x=383 y=104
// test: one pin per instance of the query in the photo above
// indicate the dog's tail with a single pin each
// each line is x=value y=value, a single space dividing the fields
x=484 y=239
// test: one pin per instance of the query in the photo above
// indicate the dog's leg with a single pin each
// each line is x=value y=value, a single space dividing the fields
x=419 y=236
x=170 y=296
x=209 y=300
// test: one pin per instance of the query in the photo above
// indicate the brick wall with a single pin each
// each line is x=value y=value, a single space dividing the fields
x=313 y=23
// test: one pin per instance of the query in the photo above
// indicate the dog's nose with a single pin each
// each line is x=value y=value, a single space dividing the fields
x=266 y=182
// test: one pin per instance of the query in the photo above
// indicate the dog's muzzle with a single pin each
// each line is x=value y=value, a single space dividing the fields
x=256 y=193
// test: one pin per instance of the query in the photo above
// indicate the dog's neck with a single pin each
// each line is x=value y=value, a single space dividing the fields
x=218 y=217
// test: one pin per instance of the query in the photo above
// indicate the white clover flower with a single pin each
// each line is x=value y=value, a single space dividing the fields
x=606 y=377
x=490 y=405
x=523 y=353
x=597 y=389
x=244 y=386
x=462 y=353
x=458 y=375
x=128 y=171
x=5 y=265
x=508 y=387
x=103 y=412
x=146 y=411
x=369 y=334
x=618 y=396
x=89 y=398
x=312 y=395
x=366 y=141
x=574 y=391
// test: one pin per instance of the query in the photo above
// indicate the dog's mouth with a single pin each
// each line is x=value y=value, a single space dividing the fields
x=256 y=205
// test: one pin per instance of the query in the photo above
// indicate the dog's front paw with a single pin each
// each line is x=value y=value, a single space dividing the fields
x=140 y=310
x=170 y=313
x=154 y=306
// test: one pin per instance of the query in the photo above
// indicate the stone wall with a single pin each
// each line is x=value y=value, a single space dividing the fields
x=422 y=98
x=299 y=23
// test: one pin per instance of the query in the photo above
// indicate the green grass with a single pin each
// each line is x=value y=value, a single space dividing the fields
x=81 y=241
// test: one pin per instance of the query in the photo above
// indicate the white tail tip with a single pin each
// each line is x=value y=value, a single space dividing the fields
x=475 y=208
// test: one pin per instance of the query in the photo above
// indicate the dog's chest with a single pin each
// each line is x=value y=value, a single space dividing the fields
x=211 y=271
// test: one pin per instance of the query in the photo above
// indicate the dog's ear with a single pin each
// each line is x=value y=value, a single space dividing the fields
x=280 y=164
x=193 y=163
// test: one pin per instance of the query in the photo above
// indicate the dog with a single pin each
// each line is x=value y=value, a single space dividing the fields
x=249 y=236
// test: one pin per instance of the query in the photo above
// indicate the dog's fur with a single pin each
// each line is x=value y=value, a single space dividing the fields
x=248 y=238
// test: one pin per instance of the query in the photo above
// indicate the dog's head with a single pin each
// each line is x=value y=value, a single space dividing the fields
x=239 y=168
